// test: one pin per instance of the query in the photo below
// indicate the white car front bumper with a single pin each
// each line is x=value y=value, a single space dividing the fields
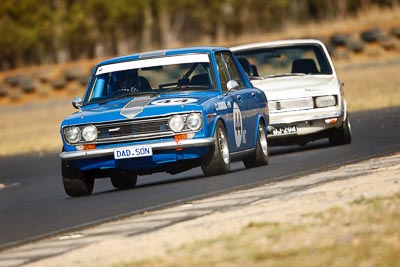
x=304 y=122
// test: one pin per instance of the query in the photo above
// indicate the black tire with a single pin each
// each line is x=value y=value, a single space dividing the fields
x=77 y=187
x=371 y=35
x=357 y=46
x=261 y=155
x=218 y=161
x=121 y=180
x=342 y=135
x=340 y=39
x=395 y=31
x=388 y=43
x=76 y=183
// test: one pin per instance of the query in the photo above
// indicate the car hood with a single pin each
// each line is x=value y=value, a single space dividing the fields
x=138 y=107
x=290 y=87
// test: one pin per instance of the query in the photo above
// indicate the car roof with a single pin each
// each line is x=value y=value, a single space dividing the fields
x=165 y=52
x=288 y=42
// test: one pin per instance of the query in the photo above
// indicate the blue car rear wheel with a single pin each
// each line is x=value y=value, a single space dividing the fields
x=261 y=155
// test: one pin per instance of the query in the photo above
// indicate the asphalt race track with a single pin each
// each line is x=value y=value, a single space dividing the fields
x=33 y=204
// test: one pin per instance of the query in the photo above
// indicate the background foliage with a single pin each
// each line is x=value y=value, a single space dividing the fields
x=52 y=31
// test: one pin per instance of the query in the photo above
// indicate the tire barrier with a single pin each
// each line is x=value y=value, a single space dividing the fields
x=372 y=35
x=343 y=44
x=372 y=42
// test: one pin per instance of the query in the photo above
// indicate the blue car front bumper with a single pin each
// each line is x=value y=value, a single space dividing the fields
x=163 y=153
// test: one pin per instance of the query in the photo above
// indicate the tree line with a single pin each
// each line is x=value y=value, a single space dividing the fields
x=36 y=32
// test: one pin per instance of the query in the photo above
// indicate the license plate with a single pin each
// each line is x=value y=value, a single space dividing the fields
x=133 y=152
x=285 y=130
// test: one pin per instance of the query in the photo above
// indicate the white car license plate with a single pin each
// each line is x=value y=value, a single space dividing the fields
x=285 y=130
x=133 y=152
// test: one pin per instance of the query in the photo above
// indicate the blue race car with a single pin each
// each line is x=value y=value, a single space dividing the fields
x=163 y=111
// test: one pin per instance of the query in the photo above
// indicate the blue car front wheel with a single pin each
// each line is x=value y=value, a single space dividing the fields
x=121 y=180
x=76 y=183
x=218 y=161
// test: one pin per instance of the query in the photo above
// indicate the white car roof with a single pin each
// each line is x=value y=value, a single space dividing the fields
x=277 y=43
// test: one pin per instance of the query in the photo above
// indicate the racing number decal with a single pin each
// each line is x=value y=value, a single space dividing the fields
x=174 y=101
x=237 y=124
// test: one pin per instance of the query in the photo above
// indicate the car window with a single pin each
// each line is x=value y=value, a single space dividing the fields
x=233 y=69
x=222 y=72
x=228 y=70
x=151 y=76
x=300 y=59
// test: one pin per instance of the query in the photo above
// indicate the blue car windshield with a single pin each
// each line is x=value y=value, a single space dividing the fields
x=151 y=76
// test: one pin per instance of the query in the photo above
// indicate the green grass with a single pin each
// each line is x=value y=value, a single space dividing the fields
x=364 y=233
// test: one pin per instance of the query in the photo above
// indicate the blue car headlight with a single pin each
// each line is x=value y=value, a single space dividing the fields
x=75 y=134
x=186 y=122
x=89 y=133
x=176 y=123
x=194 y=121
x=72 y=134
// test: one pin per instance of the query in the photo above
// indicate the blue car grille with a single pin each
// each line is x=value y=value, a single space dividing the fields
x=133 y=130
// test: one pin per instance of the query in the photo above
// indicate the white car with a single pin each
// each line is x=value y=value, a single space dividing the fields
x=306 y=98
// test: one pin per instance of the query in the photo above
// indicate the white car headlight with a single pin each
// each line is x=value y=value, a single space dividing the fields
x=325 y=101
x=72 y=134
x=176 y=123
x=89 y=133
x=194 y=121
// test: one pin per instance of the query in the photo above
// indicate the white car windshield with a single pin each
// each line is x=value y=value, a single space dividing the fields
x=279 y=61
x=150 y=76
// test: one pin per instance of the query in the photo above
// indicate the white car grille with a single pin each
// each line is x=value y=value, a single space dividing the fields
x=291 y=104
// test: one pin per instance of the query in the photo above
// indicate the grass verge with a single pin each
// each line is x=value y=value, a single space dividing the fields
x=363 y=233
